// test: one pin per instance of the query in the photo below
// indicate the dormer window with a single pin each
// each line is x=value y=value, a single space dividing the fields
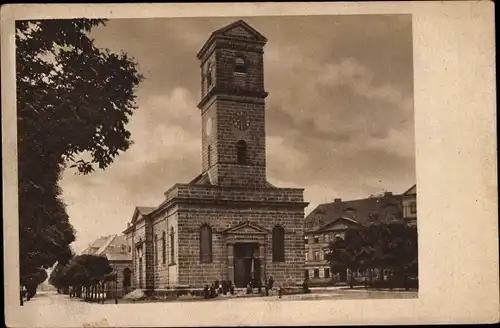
x=240 y=66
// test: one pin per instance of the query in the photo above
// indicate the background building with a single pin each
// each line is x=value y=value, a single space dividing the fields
x=118 y=253
x=331 y=220
x=229 y=223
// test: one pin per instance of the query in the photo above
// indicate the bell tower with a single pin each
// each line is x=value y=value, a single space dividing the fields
x=233 y=106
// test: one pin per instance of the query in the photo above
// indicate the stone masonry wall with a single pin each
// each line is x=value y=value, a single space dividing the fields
x=255 y=67
x=138 y=234
x=194 y=273
x=185 y=191
x=166 y=272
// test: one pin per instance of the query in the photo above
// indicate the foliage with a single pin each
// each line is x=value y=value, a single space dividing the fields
x=392 y=246
x=83 y=270
x=73 y=102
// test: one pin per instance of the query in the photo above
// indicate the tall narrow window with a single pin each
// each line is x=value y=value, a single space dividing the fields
x=205 y=244
x=209 y=155
x=164 y=247
x=209 y=75
x=241 y=152
x=155 y=251
x=278 y=244
x=172 y=246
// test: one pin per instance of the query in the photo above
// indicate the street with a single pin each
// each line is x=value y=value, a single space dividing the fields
x=54 y=310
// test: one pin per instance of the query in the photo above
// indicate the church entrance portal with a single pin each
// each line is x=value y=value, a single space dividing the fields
x=246 y=263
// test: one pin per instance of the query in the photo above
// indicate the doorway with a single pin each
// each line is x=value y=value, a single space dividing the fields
x=127 y=281
x=246 y=264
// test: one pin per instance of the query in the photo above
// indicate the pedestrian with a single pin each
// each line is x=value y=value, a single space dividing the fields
x=305 y=286
x=266 y=284
x=231 y=287
x=212 y=291
x=271 y=282
x=224 y=287
x=205 y=292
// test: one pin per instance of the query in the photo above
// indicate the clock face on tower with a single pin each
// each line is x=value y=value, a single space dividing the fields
x=241 y=121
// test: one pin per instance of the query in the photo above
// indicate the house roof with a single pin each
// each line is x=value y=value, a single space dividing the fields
x=145 y=210
x=114 y=247
x=118 y=257
x=202 y=179
x=96 y=245
x=411 y=191
x=362 y=211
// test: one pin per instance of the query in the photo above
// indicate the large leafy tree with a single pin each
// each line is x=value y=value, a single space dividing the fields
x=392 y=246
x=73 y=103
x=82 y=271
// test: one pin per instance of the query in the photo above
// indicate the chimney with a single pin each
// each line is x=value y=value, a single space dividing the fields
x=387 y=193
x=337 y=200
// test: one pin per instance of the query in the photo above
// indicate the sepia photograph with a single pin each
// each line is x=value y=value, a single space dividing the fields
x=227 y=164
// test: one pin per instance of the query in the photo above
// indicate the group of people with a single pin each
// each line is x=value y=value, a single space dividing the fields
x=226 y=286
x=256 y=283
x=217 y=288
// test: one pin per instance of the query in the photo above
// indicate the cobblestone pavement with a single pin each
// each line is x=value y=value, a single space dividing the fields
x=53 y=310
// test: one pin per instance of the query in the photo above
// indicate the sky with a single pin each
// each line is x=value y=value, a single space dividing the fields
x=339 y=115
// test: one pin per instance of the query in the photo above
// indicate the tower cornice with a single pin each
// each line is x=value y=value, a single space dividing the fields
x=235 y=94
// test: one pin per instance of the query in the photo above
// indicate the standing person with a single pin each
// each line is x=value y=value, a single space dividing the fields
x=305 y=285
x=205 y=292
x=271 y=282
x=231 y=287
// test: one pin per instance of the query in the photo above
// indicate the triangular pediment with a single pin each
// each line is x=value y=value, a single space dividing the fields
x=340 y=224
x=136 y=216
x=246 y=227
x=240 y=29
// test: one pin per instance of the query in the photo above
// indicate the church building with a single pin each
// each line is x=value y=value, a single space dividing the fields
x=229 y=222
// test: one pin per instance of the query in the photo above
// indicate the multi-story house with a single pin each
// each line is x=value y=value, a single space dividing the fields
x=331 y=220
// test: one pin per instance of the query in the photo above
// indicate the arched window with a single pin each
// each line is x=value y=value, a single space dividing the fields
x=209 y=155
x=164 y=247
x=278 y=244
x=172 y=246
x=240 y=66
x=209 y=75
x=241 y=152
x=205 y=244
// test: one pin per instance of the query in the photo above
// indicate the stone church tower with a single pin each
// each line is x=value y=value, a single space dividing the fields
x=228 y=223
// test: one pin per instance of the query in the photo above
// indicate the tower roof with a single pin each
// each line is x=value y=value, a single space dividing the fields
x=239 y=30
